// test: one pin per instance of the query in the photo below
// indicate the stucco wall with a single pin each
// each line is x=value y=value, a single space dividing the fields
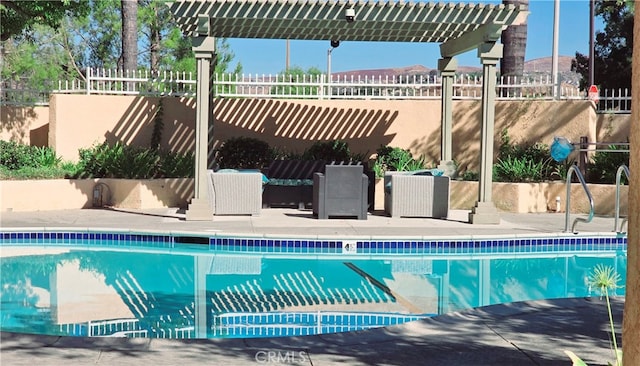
x=27 y=125
x=79 y=121
x=613 y=127
x=61 y=194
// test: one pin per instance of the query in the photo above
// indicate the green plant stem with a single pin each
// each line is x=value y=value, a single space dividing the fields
x=613 y=333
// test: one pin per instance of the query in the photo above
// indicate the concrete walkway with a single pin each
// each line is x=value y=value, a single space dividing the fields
x=529 y=333
x=301 y=223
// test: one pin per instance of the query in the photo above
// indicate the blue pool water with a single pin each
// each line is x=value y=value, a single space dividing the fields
x=85 y=283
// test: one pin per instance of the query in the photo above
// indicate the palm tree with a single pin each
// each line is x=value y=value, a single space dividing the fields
x=514 y=40
x=129 y=35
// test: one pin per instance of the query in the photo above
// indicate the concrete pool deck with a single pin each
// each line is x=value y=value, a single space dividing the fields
x=527 y=333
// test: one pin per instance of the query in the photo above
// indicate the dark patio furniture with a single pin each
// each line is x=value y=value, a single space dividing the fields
x=340 y=191
x=291 y=182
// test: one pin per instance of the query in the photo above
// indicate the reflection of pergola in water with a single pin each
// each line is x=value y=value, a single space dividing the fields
x=458 y=28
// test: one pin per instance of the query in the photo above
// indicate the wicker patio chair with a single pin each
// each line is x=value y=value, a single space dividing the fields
x=410 y=195
x=235 y=193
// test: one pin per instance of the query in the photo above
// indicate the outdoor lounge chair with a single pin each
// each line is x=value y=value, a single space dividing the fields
x=416 y=195
x=235 y=192
x=290 y=183
x=341 y=191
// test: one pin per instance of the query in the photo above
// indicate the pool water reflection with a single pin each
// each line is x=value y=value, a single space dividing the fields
x=151 y=293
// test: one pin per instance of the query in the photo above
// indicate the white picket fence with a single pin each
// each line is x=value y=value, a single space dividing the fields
x=112 y=82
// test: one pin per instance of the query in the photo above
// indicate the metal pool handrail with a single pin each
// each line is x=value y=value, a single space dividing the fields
x=625 y=169
x=574 y=169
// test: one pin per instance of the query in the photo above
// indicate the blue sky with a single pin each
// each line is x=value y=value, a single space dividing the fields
x=268 y=56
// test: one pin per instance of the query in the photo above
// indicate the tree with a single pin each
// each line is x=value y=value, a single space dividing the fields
x=155 y=19
x=19 y=15
x=35 y=61
x=94 y=40
x=298 y=74
x=129 y=12
x=514 y=40
x=613 y=47
x=631 y=321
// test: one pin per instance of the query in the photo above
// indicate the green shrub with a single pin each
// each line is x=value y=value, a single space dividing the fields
x=335 y=150
x=173 y=165
x=470 y=175
x=605 y=164
x=45 y=157
x=19 y=161
x=244 y=153
x=280 y=153
x=396 y=159
x=101 y=161
x=132 y=162
x=13 y=155
x=561 y=169
x=118 y=161
x=16 y=156
x=523 y=163
x=513 y=169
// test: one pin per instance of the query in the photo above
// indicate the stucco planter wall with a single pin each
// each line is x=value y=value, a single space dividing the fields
x=541 y=197
x=62 y=194
x=531 y=197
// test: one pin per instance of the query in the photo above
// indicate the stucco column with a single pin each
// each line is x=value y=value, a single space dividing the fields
x=200 y=207
x=485 y=211
x=447 y=67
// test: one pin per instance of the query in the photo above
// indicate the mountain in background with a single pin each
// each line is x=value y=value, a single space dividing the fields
x=536 y=67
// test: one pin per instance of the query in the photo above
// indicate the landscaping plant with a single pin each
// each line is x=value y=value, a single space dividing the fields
x=396 y=159
x=523 y=163
x=244 y=153
x=603 y=278
x=335 y=150
x=19 y=161
x=133 y=162
x=604 y=165
x=514 y=169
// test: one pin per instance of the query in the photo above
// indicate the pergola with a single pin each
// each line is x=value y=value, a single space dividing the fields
x=457 y=27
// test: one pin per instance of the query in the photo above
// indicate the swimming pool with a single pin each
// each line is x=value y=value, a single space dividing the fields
x=185 y=285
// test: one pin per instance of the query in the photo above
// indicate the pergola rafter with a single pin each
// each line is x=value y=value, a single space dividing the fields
x=388 y=21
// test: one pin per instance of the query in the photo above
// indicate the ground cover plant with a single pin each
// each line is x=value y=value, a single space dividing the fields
x=18 y=161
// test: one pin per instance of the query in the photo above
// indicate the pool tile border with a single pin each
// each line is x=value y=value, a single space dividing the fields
x=242 y=243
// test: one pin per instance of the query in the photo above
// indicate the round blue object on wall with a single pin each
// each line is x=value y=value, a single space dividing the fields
x=560 y=149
